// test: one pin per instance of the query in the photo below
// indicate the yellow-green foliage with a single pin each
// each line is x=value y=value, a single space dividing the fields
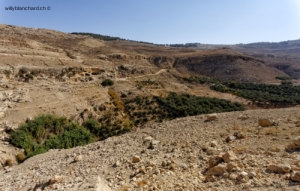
x=116 y=99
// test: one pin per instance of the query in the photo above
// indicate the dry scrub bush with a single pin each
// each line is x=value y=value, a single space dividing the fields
x=116 y=99
x=8 y=162
x=20 y=157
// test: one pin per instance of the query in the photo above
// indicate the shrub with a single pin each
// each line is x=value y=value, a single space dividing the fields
x=93 y=126
x=107 y=82
x=74 y=136
x=8 y=162
x=20 y=157
x=49 y=132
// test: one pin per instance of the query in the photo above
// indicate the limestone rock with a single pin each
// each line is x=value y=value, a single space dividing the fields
x=147 y=139
x=264 y=123
x=295 y=176
x=214 y=161
x=230 y=138
x=232 y=167
x=101 y=186
x=281 y=168
x=243 y=177
x=78 y=158
x=213 y=143
x=211 y=117
x=243 y=117
x=218 y=170
x=295 y=145
x=153 y=144
x=229 y=156
x=136 y=159
x=239 y=135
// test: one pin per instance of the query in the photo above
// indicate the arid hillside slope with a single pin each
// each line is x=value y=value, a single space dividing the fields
x=229 y=153
x=49 y=72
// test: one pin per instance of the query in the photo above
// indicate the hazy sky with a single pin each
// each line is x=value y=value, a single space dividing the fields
x=165 y=21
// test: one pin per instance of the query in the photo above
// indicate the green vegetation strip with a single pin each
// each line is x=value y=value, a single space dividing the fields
x=46 y=132
x=278 y=95
x=51 y=132
x=144 y=109
x=284 y=94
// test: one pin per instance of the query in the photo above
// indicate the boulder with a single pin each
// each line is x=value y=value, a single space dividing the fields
x=280 y=168
x=295 y=145
x=136 y=159
x=239 y=135
x=230 y=138
x=295 y=176
x=78 y=158
x=243 y=117
x=264 y=123
x=214 y=161
x=229 y=156
x=213 y=143
x=218 y=170
x=211 y=117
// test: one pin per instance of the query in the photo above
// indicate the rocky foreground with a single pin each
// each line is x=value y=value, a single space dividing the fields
x=229 y=152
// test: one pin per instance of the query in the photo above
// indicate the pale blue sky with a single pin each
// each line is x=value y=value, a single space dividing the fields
x=165 y=21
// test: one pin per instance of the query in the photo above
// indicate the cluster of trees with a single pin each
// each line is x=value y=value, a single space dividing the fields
x=284 y=94
x=277 y=95
x=98 y=36
x=144 y=109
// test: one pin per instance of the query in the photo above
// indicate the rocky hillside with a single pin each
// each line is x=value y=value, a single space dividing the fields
x=49 y=72
x=282 y=55
x=231 y=152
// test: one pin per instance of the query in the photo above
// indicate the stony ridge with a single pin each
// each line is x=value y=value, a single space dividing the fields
x=230 y=152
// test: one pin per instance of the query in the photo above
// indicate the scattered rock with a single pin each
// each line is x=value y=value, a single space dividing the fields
x=280 y=168
x=136 y=159
x=213 y=143
x=117 y=164
x=243 y=177
x=295 y=176
x=232 y=167
x=211 y=117
x=153 y=144
x=229 y=156
x=294 y=146
x=218 y=170
x=78 y=158
x=230 y=138
x=252 y=174
x=233 y=176
x=55 y=179
x=274 y=149
x=148 y=139
x=264 y=123
x=243 y=117
x=239 y=135
x=214 y=161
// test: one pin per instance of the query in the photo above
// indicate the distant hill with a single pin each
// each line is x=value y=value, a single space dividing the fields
x=284 y=56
